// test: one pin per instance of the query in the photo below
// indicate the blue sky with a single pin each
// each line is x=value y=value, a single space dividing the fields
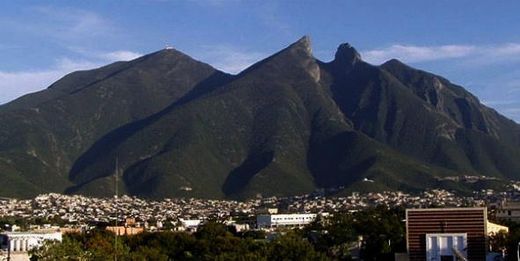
x=472 y=43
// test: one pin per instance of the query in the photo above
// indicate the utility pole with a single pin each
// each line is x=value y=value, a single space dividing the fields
x=117 y=210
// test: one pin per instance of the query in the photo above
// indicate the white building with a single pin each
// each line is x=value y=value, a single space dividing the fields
x=189 y=224
x=22 y=242
x=442 y=246
x=284 y=220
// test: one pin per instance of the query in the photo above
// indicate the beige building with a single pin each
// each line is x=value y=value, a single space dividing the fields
x=125 y=231
x=493 y=229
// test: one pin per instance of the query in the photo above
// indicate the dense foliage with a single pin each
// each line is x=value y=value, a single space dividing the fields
x=213 y=242
x=378 y=232
x=507 y=242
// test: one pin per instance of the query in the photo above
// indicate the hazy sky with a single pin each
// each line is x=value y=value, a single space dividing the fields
x=472 y=43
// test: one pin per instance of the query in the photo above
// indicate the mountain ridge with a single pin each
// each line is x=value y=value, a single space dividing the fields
x=286 y=125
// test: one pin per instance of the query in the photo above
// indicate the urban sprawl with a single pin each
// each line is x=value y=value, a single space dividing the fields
x=76 y=209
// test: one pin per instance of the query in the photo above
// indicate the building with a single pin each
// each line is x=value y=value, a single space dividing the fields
x=190 y=225
x=284 y=220
x=446 y=234
x=130 y=227
x=509 y=211
x=271 y=211
x=17 y=244
x=130 y=222
x=124 y=230
x=73 y=230
x=240 y=227
x=493 y=229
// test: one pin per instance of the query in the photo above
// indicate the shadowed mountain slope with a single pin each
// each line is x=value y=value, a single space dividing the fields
x=44 y=133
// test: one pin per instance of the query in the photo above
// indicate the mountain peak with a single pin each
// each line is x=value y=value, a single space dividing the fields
x=347 y=55
x=393 y=63
x=304 y=40
x=303 y=43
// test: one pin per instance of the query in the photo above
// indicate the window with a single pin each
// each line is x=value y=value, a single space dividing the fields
x=446 y=258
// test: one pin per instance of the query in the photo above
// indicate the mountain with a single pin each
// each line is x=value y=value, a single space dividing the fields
x=289 y=124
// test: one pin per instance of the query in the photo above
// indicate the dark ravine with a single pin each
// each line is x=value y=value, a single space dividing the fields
x=288 y=125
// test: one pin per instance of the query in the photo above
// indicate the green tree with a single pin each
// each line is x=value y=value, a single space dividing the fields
x=68 y=249
x=148 y=253
x=498 y=242
x=332 y=235
x=382 y=230
x=512 y=240
x=292 y=246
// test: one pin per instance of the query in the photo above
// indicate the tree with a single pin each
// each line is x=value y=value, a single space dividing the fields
x=102 y=244
x=382 y=231
x=498 y=242
x=332 y=235
x=291 y=246
x=68 y=249
x=148 y=253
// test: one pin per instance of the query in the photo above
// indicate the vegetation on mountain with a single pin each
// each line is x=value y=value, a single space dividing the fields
x=288 y=125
